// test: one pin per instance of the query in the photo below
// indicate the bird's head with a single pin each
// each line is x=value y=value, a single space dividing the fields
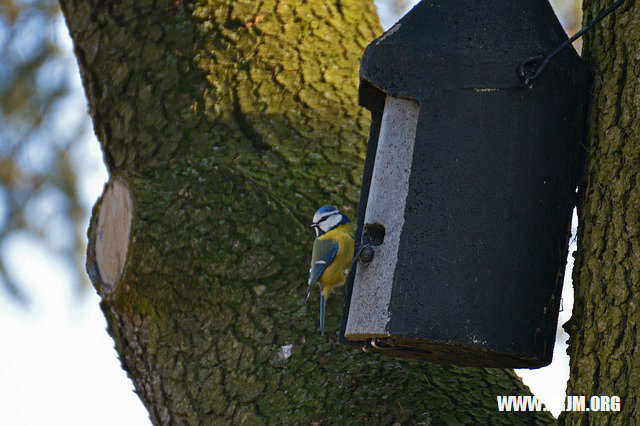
x=326 y=218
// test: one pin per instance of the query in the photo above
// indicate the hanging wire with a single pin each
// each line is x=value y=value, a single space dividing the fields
x=529 y=76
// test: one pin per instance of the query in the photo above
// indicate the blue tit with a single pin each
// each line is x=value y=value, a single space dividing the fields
x=332 y=253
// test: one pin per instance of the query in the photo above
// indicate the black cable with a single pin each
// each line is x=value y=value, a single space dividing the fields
x=528 y=77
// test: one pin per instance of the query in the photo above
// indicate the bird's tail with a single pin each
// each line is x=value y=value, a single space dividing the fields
x=322 y=303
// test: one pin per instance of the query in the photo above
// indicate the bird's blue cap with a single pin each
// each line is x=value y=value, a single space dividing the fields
x=326 y=209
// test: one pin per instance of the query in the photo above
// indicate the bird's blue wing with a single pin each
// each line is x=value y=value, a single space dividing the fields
x=324 y=251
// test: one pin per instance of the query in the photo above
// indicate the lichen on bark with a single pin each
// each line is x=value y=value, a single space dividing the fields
x=231 y=122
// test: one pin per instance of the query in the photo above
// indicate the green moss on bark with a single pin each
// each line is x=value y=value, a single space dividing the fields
x=605 y=327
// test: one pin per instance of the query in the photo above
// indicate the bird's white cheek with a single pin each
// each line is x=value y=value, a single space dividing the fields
x=330 y=222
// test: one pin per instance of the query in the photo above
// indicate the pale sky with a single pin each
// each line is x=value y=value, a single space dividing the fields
x=57 y=362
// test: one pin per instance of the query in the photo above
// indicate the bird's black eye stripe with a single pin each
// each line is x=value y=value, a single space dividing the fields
x=327 y=217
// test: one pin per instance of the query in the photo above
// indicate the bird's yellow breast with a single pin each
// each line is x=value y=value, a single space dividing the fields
x=336 y=273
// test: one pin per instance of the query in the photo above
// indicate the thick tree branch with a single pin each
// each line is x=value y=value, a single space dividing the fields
x=605 y=326
x=230 y=122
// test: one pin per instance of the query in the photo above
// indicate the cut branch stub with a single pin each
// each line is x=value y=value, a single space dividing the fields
x=109 y=235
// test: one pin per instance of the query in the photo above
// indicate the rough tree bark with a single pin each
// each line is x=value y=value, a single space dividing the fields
x=605 y=327
x=224 y=125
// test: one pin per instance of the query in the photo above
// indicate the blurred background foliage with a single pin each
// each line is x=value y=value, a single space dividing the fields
x=41 y=125
x=45 y=128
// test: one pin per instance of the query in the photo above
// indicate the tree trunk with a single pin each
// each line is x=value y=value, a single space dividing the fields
x=605 y=327
x=224 y=125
